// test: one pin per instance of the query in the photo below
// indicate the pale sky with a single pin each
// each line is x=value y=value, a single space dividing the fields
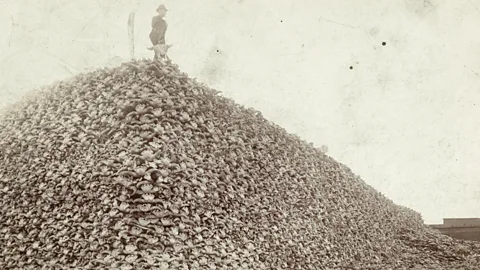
x=405 y=118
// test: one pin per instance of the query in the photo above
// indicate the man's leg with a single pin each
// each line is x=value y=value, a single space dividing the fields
x=153 y=38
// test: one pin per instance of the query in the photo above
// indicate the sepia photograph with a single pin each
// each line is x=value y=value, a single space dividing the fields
x=240 y=135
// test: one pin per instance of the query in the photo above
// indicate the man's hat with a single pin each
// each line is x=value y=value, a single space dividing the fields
x=162 y=7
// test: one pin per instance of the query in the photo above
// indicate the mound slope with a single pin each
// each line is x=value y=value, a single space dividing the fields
x=141 y=167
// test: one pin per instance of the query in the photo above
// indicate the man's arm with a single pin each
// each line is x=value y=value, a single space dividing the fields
x=162 y=29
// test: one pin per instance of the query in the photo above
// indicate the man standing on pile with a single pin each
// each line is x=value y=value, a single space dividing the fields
x=159 y=26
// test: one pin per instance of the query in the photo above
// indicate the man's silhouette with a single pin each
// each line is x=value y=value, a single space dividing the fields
x=159 y=26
